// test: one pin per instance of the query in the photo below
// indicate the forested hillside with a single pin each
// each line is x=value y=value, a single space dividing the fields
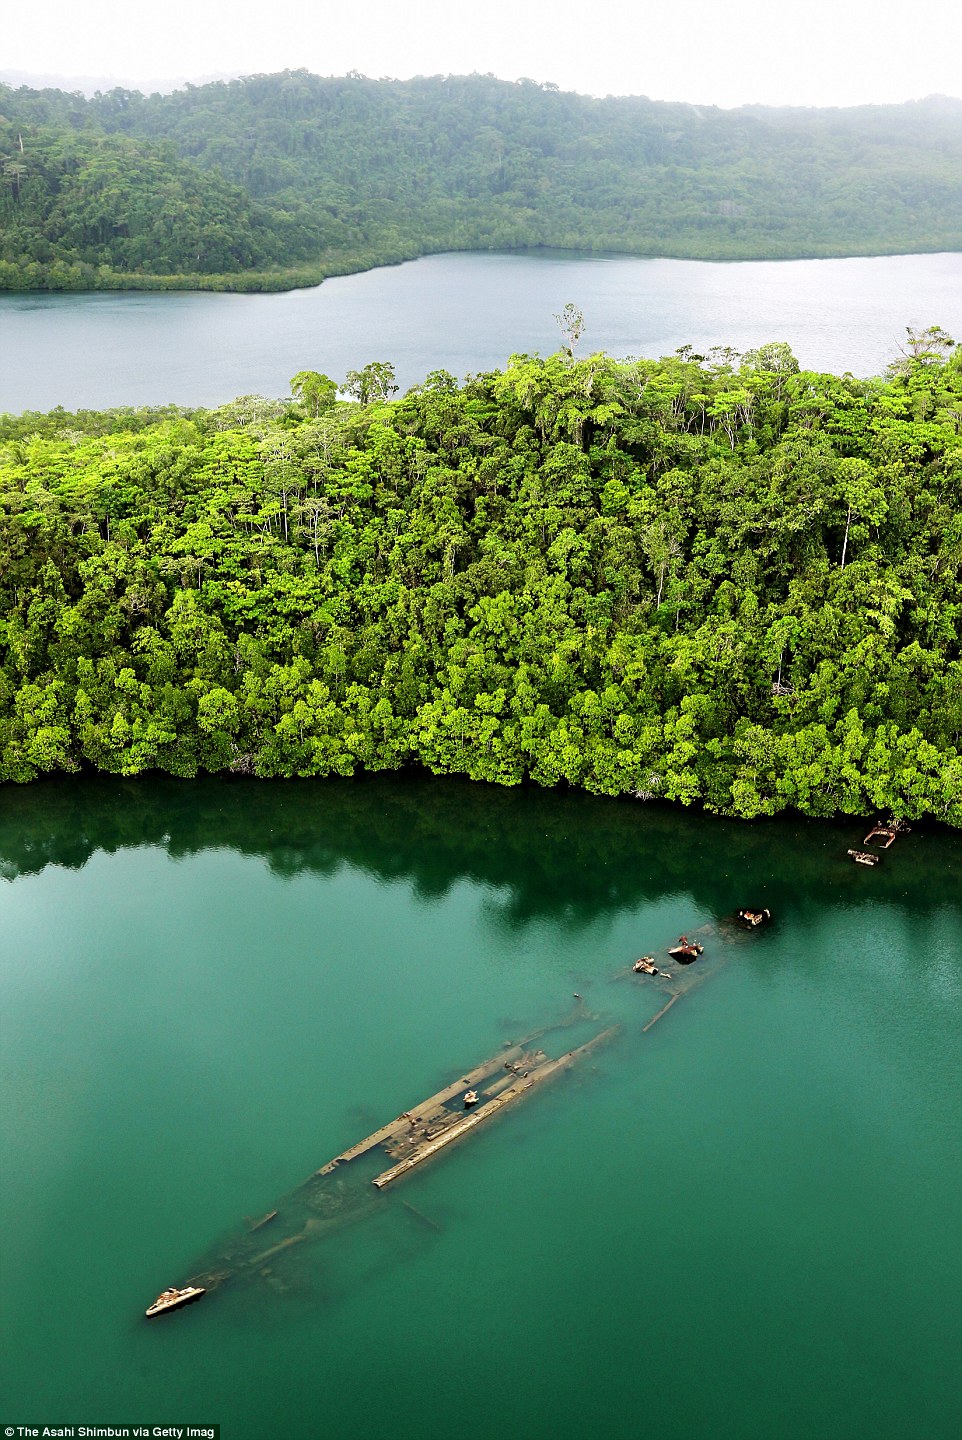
x=277 y=180
x=713 y=581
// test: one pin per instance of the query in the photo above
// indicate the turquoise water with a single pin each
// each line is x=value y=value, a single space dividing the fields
x=742 y=1223
x=465 y=313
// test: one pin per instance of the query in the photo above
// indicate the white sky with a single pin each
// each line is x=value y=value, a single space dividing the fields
x=721 y=52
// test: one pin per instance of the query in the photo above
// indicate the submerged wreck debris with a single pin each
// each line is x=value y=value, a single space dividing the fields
x=253 y=1225
x=686 y=950
x=645 y=965
x=424 y=1122
x=352 y=1185
x=883 y=834
x=887 y=831
x=864 y=857
x=753 y=918
x=663 y=1011
x=418 y=1134
x=173 y=1299
x=348 y=1187
x=448 y=1127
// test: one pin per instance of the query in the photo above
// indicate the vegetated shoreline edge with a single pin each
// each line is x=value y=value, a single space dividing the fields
x=286 y=281
x=415 y=773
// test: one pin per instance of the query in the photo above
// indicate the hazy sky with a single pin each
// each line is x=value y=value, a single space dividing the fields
x=722 y=52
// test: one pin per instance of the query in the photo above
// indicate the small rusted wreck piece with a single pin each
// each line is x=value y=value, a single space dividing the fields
x=751 y=919
x=645 y=965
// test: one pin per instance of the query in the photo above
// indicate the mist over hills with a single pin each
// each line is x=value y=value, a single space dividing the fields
x=272 y=181
x=88 y=85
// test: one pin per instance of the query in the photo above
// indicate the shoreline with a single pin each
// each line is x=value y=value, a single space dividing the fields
x=285 y=282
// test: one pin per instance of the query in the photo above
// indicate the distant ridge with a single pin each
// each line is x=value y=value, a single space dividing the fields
x=273 y=181
x=88 y=85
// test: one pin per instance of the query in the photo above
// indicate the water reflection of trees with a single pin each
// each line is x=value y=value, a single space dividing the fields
x=544 y=852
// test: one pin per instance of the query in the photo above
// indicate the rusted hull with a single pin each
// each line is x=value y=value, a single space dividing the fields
x=686 y=954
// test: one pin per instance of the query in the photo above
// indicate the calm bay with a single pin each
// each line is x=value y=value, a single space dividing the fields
x=462 y=312
x=743 y=1222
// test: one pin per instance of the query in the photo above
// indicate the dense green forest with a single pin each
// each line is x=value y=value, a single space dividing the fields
x=719 y=581
x=279 y=180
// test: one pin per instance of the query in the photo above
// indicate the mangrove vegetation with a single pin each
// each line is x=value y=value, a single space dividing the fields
x=715 y=580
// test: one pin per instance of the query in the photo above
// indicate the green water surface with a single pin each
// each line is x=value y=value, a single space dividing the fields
x=746 y=1222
